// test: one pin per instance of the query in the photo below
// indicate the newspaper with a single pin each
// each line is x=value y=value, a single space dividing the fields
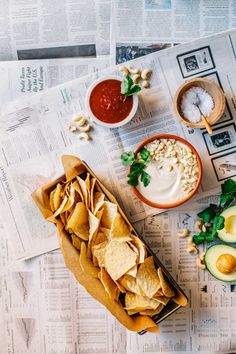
x=145 y=26
x=44 y=310
x=19 y=78
x=34 y=132
x=54 y=29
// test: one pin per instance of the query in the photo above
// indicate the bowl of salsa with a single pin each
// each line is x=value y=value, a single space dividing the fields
x=106 y=104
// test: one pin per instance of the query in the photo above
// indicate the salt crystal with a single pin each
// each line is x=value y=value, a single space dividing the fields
x=188 y=104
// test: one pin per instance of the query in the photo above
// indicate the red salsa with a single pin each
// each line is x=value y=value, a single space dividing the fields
x=108 y=104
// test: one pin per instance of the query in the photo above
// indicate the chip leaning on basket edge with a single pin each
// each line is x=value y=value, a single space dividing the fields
x=107 y=248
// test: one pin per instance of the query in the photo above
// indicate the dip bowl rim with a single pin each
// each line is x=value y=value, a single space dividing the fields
x=191 y=194
x=98 y=121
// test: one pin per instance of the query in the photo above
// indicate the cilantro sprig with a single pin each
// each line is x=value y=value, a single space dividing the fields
x=211 y=215
x=128 y=88
x=137 y=166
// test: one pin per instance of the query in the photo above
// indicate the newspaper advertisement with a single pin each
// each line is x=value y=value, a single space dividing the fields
x=145 y=26
x=44 y=310
x=34 y=132
x=54 y=29
x=19 y=78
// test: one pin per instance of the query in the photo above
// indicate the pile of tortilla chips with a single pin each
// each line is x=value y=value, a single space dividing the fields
x=102 y=251
x=108 y=249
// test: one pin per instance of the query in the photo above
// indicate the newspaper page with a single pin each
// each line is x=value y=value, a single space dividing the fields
x=34 y=132
x=44 y=310
x=19 y=78
x=207 y=325
x=54 y=29
x=145 y=26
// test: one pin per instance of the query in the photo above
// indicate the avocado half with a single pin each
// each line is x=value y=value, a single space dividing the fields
x=212 y=255
x=228 y=233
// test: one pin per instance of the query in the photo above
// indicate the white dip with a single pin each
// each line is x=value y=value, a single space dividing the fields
x=164 y=187
x=173 y=171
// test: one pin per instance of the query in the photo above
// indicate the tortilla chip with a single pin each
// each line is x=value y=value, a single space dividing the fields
x=51 y=200
x=129 y=283
x=166 y=288
x=86 y=263
x=119 y=258
x=109 y=213
x=141 y=248
x=162 y=299
x=63 y=219
x=109 y=284
x=78 y=221
x=76 y=242
x=96 y=289
x=60 y=210
x=99 y=252
x=106 y=232
x=93 y=225
x=139 y=302
x=133 y=248
x=100 y=237
x=119 y=229
x=77 y=188
x=84 y=190
x=92 y=186
x=152 y=312
x=147 y=278
x=98 y=201
x=87 y=184
x=133 y=271
x=120 y=287
x=94 y=222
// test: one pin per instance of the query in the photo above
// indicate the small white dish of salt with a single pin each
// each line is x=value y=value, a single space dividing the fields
x=199 y=103
x=196 y=105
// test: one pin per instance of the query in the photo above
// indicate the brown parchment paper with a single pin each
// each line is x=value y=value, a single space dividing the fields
x=73 y=166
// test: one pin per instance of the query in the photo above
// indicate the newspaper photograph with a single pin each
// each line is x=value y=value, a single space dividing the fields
x=34 y=132
x=144 y=26
x=54 y=29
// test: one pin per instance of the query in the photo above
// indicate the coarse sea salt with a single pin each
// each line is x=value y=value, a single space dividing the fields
x=188 y=104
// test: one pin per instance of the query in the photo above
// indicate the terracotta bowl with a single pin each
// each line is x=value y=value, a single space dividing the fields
x=213 y=89
x=190 y=195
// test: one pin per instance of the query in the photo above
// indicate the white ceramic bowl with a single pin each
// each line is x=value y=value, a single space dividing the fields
x=104 y=124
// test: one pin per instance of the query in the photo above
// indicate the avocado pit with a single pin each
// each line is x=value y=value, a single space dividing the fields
x=226 y=263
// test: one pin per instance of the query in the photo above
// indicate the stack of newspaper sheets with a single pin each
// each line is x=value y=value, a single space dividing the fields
x=57 y=49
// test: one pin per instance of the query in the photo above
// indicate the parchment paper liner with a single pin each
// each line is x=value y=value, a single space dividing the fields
x=73 y=166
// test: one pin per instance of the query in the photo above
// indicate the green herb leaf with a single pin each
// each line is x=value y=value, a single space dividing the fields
x=209 y=213
x=226 y=200
x=228 y=186
x=133 y=90
x=212 y=213
x=127 y=158
x=133 y=179
x=137 y=167
x=126 y=85
x=228 y=193
x=145 y=155
x=145 y=178
x=128 y=88
x=217 y=224
x=200 y=238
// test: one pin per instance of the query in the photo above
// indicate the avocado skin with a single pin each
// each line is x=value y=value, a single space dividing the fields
x=215 y=251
